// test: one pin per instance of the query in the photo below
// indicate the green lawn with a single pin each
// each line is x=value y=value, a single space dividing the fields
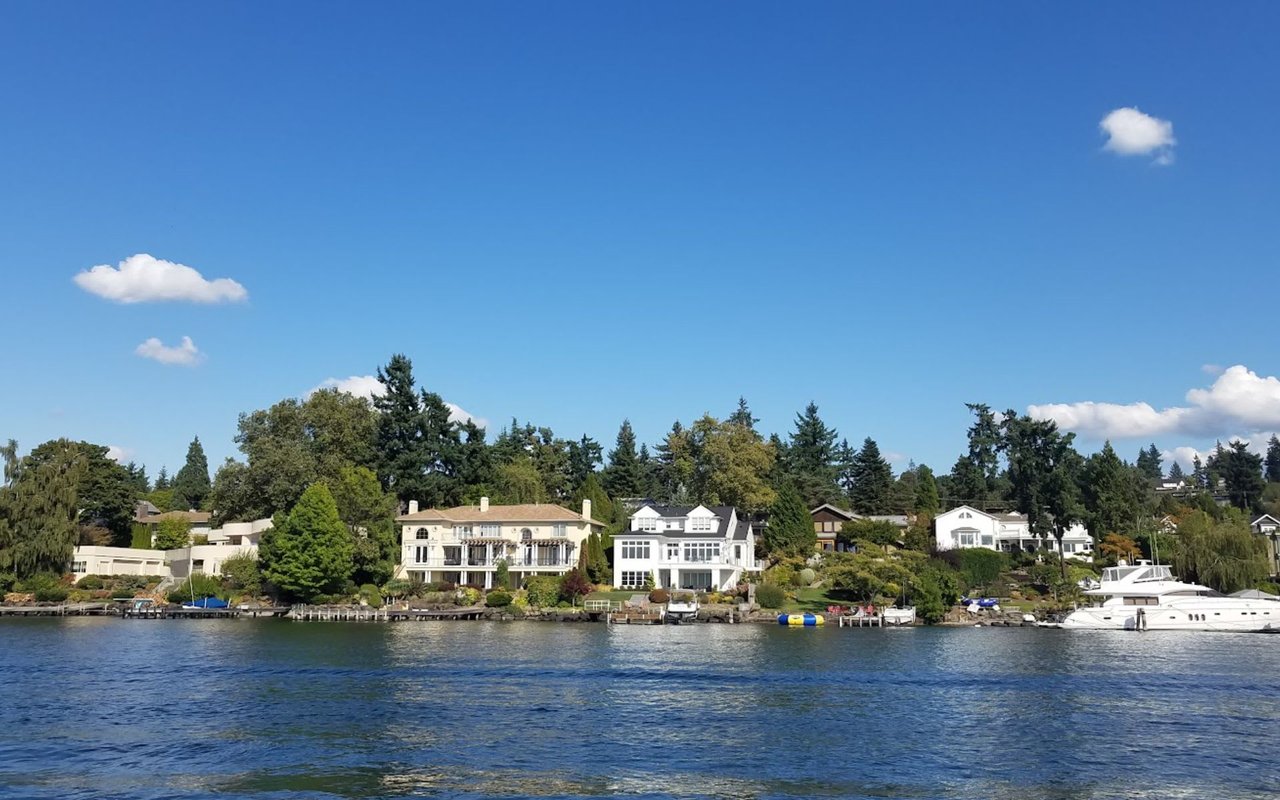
x=816 y=600
x=615 y=595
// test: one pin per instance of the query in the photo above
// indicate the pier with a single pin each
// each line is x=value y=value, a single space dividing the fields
x=860 y=620
x=65 y=610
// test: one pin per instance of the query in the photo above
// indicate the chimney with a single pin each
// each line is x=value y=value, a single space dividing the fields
x=413 y=506
x=484 y=505
x=586 y=508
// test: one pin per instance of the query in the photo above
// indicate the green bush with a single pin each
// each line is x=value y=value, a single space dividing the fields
x=498 y=598
x=979 y=567
x=807 y=576
x=51 y=593
x=770 y=596
x=370 y=595
x=241 y=573
x=469 y=595
x=89 y=582
x=140 y=537
x=198 y=586
x=502 y=575
x=544 y=591
x=6 y=581
x=928 y=600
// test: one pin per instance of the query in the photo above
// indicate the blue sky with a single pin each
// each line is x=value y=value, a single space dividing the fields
x=575 y=213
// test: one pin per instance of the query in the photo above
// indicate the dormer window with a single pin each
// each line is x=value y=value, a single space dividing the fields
x=648 y=524
x=701 y=524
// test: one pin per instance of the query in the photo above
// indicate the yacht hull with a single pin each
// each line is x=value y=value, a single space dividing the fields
x=1237 y=617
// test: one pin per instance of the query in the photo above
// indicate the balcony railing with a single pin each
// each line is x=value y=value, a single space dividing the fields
x=512 y=561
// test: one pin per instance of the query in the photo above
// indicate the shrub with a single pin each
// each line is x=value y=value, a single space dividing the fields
x=543 y=590
x=370 y=595
x=501 y=575
x=197 y=586
x=562 y=604
x=89 y=582
x=6 y=581
x=498 y=598
x=47 y=588
x=978 y=566
x=928 y=600
x=469 y=595
x=241 y=573
x=140 y=536
x=173 y=533
x=807 y=576
x=520 y=601
x=659 y=596
x=574 y=585
x=319 y=600
x=770 y=596
x=397 y=588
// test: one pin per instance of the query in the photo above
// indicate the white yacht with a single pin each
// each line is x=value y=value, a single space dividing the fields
x=1146 y=596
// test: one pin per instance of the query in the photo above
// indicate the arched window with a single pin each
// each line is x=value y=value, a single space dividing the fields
x=526 y=534
x=422 y=534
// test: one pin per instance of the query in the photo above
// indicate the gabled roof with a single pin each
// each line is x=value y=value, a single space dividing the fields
x=837 y=510
x=521 y=512
x=740 y=534
x=1265 y=517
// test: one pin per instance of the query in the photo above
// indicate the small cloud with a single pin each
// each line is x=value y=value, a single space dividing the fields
x=894 y=457
x=1132 y=133
x=118 y=454
x=184 y=354
x=368 y=386
x=145 y=279
x=1185 y=456
x=1212 y=369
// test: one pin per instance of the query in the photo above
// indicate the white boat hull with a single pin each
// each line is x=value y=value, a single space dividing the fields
x=1202 y=614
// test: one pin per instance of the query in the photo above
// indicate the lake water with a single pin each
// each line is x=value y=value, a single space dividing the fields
x=106 y=708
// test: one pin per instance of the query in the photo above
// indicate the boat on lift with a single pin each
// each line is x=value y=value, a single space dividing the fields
x=1146 y=597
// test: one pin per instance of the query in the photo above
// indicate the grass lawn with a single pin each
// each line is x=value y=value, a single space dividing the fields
x=615 y=595
x=816 y=600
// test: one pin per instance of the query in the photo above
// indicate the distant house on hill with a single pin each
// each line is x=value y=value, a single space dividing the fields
x=1268 y=527
x=966 y=526
x=828 y=519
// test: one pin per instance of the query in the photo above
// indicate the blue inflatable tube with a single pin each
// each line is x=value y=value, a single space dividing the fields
x=801 y=620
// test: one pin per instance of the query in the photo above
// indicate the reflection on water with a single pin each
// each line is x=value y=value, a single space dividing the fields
x=111 y=708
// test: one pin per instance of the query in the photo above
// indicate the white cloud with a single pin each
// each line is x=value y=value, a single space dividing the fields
x=1132 y=133
x=144 y=279
x=185 y=353
x=369 y=386
x=118 y=454
x=1238 y=400
x=1211 y=369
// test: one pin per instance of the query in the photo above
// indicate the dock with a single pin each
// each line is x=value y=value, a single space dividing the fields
x=178 y=612
x=65 y=610
x=860 y=620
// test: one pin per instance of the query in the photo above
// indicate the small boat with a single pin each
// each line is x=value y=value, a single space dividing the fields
x=682 y=610
x=206 y=603
x=900 y=616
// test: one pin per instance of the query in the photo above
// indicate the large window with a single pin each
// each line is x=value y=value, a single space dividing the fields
x=79 y=566
x=420 y=554
x=966 y=537
x=698 y=552
x=462 y=531
x=673 y=551
x=701 y=524
x=648 y=524
x=491 y=530
x=635 y=550
x=633 y=579
x=988 y=540
x=559 y=529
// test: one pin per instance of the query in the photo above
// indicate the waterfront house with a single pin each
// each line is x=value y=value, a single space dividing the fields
x=1268 y=527
x=465 y=544
x=966 y=526
x=828 y=519
x=681 y=547
x=233 y=538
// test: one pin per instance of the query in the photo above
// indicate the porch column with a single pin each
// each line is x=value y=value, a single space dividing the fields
x=675 y=579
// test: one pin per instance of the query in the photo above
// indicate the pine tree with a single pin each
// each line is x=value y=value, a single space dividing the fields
x=192 y=485
x=872 y=480
x=675 y=463
x=742 y=416
x=309 y=551
x=811 y=457
x=1241 y=471
x=790 y=530
x=624 y=475
x=1175 y=472
x=926 y=491
x=1273 y=460
x=1110 y=502
x=417 y=443
x=1150 y=463
x=162 y=481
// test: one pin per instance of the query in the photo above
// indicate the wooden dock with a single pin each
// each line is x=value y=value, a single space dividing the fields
x=177 y=612
x=65 y=610
x=335 y=613
x=860 y=621
x=634 y=616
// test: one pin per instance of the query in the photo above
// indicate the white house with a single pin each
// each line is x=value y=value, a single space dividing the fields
x=682 y=547
x=233 y=538
x=465 y=544
x=966 y=526
x=1268 y=527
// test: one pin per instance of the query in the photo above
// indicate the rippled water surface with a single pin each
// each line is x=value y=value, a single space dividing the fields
x=105 y=708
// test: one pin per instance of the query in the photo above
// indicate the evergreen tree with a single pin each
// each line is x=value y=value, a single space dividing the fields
x=1198 y=476
x=106 y=494
x=1110 y=500
x=416 y=443
x=138 y=477
x=926 y=491
x=624 y=476
x=731 y=465
x=1273 y=460
x=1044 y=475
x=1242 y=473
x=790 y=530
x=584 y=455
x=308 y=552
x=812 y=458
x=872 y=480
x=1175 y=472
x=192 y=485
x=675 y=463
x=1151 y=463
x=984 y=446
x=742 y=416
x=650 y=472
x=162 y=481
x=475 y=463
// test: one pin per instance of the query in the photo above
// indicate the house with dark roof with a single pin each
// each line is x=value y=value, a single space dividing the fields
x=701 y=548
x=465 y=544
x=828 y=519
x=1268 y=527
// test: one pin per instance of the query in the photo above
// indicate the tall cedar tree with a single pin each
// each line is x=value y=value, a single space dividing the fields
x=790 y=530
x=417 y=443
x=308 y=552
x=872 y=491
x=674 y=466
x=1044 y=475
x=812 y=458
x=926 y=491
x=1242 y=473
x=624 y=477
x=742 y=415
x=584 y=455
x=1151 y=463
x=1273 y=460
x=1108 y=492
x=39 y=509
x=162 y=481
x=1175 y=472
x=192 y=485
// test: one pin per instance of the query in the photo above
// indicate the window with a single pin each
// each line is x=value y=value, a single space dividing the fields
x=559 y=529
x=79 y=566
x=737 y=550
x=635 y=550
x=420 y=554
x=648 y=524
x=695 y=552
x=462 y=531
x=988 y=540
x=197 y=565
x=633 y=579
x=965 y=515
x=701 y=525
x=491 y=530
x=967 y=538
x=673 y=552
x=422 y=534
